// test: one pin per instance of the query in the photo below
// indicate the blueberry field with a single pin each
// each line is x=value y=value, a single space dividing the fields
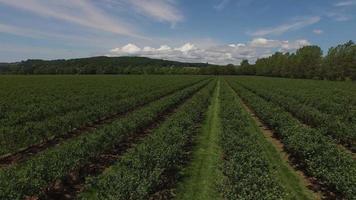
x=176 y=137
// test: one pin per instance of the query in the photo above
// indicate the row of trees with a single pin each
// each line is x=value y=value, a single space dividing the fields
x=103 y=65
x=113 y=65
x=307 y=62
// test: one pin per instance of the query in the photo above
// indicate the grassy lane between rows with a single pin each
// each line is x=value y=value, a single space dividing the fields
x=317 y=155
x=289 y=178
x=150 y=169
x=32 y=177
x=248 y=174
x=332 y=126
x=201 y=176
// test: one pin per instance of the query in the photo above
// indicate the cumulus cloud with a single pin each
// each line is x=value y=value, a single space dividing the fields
x=283 y=46
x=264 y=43
x=237 y=45
x=295 y=25
x=186 y=48
x=218 y=54
x=127 y=49
x=164 y=48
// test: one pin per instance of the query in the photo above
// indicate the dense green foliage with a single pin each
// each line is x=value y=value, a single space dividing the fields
x=202 y=175
x=307 y=62
x=102 y=65
x=311 y=149
x=34 y=109
x=153 y=163
x=335 y=98
x=249 y=175
x=33 y=175
x=148 y=146
x=335 y=120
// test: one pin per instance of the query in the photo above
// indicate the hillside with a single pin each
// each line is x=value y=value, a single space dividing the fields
x=101 y=65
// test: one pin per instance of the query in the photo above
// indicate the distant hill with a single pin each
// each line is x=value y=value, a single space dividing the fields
x=6 y=67
x=103 y=65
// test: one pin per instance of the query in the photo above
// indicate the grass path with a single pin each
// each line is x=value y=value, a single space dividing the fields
x=295 y=183
x=203 y=172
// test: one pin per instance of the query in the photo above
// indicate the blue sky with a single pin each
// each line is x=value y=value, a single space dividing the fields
x=214 y=31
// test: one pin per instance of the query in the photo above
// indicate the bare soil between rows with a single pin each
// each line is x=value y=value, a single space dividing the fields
x=319 y=189
x=343 y=146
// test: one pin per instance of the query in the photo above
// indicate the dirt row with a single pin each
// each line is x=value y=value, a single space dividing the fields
x=343 y=147
x=320 y=191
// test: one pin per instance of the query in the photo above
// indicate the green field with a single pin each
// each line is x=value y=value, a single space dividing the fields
x=176 y=137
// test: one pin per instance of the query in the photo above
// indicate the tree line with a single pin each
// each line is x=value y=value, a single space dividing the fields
x=307 y=62
x=114 y=65
x=101 y=65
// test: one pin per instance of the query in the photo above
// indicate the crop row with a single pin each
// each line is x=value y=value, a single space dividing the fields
x=330 y=125
x=152 y=164
x=13 y=138
x=334 y=98
x=249 y=174
x=316 y=154
x=31 y=99
x=32 y=176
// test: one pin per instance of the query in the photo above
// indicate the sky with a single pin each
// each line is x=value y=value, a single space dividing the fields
x=213 y=31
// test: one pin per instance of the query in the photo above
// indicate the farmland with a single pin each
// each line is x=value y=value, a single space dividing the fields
x=176 y=137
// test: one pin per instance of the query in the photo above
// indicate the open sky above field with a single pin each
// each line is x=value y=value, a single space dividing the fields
x=214 y=31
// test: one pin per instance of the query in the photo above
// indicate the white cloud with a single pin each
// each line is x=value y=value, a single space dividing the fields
x=282 y=45
x=162 y=10
x=237 y=45
x=265 y=43
x=80 y=12
x=286 y=46
x=217 y=54
x=186 y=47
x=148 y=49
x=127 y=49
x=318 y=31
x=164 y=48
x=91 y=18
x=295 y=25
x=345 y=3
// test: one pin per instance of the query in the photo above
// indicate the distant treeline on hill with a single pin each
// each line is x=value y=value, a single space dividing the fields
x=111 y=65
x=308 y=62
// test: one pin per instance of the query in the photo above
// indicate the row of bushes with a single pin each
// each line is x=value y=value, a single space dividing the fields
x=32 y=176
x=329 y=125
x=315 y=153
x=249 y=174
x=151 y=165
